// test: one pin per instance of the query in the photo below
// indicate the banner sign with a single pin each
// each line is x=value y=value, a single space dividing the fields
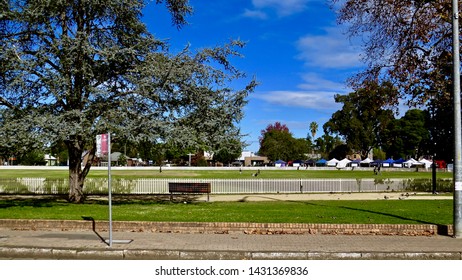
x=101 y=145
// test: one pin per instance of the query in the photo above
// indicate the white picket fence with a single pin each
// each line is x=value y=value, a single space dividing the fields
x=218 y=186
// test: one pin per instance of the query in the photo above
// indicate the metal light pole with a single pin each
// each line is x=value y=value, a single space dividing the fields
x=457 y=123
x=111 y=240
x=433 y=142
x=190 y=158
x=109 y=187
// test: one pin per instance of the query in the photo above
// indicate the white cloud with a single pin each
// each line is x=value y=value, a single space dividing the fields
x=312 y=81
x=312 y=100
x=331 y=50
x=282 y=8
x=257 y=14
x=315 y=93
x=318 y=100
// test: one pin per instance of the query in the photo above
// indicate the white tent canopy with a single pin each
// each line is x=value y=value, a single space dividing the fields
x=411 y=162
x=332 y=162
x=427 y=163
x=343 y=162
x=366 y=160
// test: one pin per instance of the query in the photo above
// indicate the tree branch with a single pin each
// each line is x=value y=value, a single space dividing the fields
x=88 y=163
x=4 y=102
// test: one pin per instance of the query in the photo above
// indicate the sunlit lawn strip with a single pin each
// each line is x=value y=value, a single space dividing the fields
x=224 y=174
x=332 y=212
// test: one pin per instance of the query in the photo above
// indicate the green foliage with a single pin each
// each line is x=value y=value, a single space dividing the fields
x=276 y=142
x=18 y=134
x=177 y=155
x=416 y=56
x=201 y=162
x=300 y=148
x=26 y=186
x=227 y=155
x=440 y=121
x=326 y=144
x=274 y=145
x=425 y=185
x=362 y=119
x=379 y=154
x=123 y=186
x=59 y=150
x=406 y=42
x=407 y=136
x=13 y=186
x=313 y=129
x=75 y=69
x=340 y=152
x=123 y=160
x=33 y=157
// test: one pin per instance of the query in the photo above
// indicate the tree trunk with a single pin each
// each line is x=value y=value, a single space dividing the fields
x=76 y=194
x=77 y=172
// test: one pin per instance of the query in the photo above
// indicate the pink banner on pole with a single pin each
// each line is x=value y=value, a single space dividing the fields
x=104 y=142
x=101 y=144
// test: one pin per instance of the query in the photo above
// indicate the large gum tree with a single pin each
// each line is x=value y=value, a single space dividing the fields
x=72 y=69
x=408 y=43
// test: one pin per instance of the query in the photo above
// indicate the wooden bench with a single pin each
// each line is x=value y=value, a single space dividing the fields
x=189 y=188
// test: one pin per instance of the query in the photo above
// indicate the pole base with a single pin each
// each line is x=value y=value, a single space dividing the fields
x=126 y=241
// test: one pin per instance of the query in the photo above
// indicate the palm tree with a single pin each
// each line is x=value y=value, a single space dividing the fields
x=313 y=129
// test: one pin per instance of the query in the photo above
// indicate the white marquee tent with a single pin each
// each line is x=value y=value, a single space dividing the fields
x=427 y=163
x=332 y=162
x=411 y=162
x=343 y=163
x=366 y=161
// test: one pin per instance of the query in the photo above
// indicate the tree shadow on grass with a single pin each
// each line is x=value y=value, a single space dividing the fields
x=30 y=201
x=154 y=199
x=53 y=200
x=245 y=198
x=441 y=229
x=7 y=201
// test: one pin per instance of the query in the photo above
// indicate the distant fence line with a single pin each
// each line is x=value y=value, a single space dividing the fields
x=218 y=186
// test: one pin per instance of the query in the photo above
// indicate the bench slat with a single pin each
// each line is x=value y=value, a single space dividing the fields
x=189 y=188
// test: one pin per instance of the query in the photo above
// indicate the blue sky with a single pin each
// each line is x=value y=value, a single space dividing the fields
x=295 y=49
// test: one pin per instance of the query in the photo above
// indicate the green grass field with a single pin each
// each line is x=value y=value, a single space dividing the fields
x=225 y=174
x=350 y=212
x=330 y=212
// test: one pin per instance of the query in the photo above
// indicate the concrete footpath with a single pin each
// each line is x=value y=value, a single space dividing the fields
x=53 y=242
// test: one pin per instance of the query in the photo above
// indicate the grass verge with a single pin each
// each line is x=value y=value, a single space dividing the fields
x=226 y=174
x=328 y=212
